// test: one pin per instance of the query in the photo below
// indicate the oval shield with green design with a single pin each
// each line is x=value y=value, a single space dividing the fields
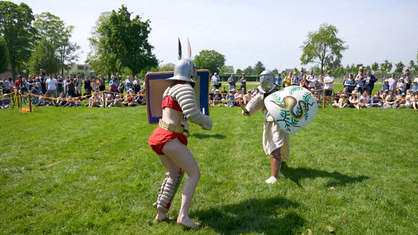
x=292 y=107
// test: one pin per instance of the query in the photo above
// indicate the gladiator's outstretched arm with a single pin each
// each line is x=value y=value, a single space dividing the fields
x=185 y=96
x=254 y=105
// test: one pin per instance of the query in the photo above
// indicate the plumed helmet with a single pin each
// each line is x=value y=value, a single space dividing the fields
x=266 y=81
x=185 y=70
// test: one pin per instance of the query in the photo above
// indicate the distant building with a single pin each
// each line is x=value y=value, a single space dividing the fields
x=81 y=69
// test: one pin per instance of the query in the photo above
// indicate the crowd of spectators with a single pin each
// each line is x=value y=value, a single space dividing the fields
x=357 y=92
x=50 y=90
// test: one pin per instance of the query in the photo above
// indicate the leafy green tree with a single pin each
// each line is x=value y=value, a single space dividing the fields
x=323 y=47
x=211 y=60
x=166 y=67
x=54 y=30
x=4 y=56
x=386 y=67
x=99 y=49
x=16 y=28
x=118 y=41
x=239 y=71
x=44 y=57
x=412 y=66
x=399 y=67
x=249 y=70
x=259 y=67
x=375 y=67
x=227 y=69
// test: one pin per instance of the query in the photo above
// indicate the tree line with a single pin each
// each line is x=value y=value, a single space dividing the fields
x=119 y=44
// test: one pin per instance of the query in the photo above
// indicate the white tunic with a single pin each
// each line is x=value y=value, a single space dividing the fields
x=273 y=136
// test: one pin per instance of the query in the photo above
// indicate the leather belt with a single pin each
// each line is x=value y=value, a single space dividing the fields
x=171 y=127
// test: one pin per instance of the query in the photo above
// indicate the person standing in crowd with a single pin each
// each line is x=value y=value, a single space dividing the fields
x=311 y=80
x=6 y=85
x=295 y=80
x=369 y=81
x=17 y=83
x=231 y=81
x=137 y=84
x=300 y=76
x=279 y=80
x=121 y=87
x=328 y=85
x=78 y=83
x=70 y=86
x=87 y=84
x=31 y=82
x=43 y=82
x=360 y=80
x=215 y=80
x=349 y=83
x=243 y=84
x=128 y=83
x=51 y=86
x=60 y=87
x=408 y=79
x=392 y=82
x=102 y=83
x=287 y=80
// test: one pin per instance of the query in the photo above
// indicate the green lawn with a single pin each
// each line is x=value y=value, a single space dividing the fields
x=81 y=170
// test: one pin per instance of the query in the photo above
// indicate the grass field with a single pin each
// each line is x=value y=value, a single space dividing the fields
x=81 y=170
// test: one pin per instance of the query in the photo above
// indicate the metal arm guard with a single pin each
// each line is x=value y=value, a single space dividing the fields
x=185 y=96
x=167 y=191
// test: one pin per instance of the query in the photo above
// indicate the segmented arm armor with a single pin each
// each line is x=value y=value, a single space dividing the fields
x=185 y=96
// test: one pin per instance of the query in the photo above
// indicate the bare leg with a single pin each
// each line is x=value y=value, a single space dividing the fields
x=172 y=168
x=275 y=165
x=183 y=158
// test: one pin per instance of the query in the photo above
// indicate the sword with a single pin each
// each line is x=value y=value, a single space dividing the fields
x=243 y=108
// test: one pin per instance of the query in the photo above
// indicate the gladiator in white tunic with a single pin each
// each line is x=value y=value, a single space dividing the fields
x=273 y=136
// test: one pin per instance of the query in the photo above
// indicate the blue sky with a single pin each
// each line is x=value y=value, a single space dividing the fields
x=250 y=31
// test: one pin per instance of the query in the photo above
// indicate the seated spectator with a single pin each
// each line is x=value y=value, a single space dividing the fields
x=341 y=101
x=365 y=99
x=407 y=100
x=414 y=99
x=61 y=100
x=230 y=99
x=355 y=101
x=117 y=102
x=217 y=98
x=385 y=85
x=415 y=86
x=109 y=100
x=239 y=99
x=86 y=95
x=390 y=100
x=376 y=100
x=247 y=97
x=77 y=102
x=70 y=102
x=141 y=98
x=129 y=99
x=401 y=85
x=5 y=101
x=399 y=98
x=94 y=100
x=224 y=93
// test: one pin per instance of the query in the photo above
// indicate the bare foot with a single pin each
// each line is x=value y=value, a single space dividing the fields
x=188 y=223
x=161 y=216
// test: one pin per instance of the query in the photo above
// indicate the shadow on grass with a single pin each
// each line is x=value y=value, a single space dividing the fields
x=296 y=174
x=204 y=136
x=254 y=215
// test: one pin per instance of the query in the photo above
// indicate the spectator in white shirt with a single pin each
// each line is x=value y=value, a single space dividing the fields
x=51 y=86
x=328 y=85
